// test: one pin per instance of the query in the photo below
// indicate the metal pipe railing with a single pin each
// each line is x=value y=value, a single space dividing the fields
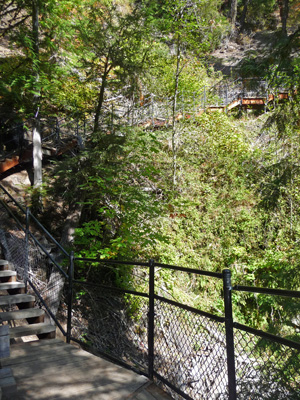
x=227 y=321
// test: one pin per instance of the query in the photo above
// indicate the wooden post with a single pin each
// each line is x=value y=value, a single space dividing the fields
x=4 y=341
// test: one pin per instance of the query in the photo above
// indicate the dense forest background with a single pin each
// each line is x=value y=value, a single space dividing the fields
x=211 y=192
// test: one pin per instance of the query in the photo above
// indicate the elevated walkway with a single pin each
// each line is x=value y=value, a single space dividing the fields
x=52 y=369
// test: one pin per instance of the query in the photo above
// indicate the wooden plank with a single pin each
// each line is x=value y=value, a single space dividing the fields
x=249 y=102
x=144 y=396
x=22 y=314
x=78 y=375
x=11 y=285
x=158 y=393
x=48 y=355
x=233 y=104
x=150 y=392
x=57 y=370
x=16 y=299
x=7 y=273
x=34 y=329
x=7 y=384
x=31 y=347
x=8 y=164
x=4 y=341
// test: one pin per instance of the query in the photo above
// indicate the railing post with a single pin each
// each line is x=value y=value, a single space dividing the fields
x=112 y=118
x=267 y=98
x=26 y=248
x=229 y=334
x=152 y=110
x=194 y=105
x=151 y=321
x=226 y=98
x=70 y=296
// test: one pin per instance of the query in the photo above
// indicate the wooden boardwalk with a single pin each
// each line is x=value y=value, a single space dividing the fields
x=52 y=369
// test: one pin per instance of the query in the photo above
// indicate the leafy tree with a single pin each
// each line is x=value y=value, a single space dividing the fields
x=13 y=13
x=233 y=14
x=115 y=181
x=110 y=45
x=192 y=28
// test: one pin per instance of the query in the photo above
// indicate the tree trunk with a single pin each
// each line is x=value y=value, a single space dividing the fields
x=284 y=13
x=37 y=154
x=174 y=144
x=233 y=14
x=101 y=95
x=37 y=140
x=244 y=14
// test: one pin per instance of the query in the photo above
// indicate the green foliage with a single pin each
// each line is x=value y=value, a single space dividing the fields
x=236 y=201
x=116 y=185
x=260 y=13
x=159 y=79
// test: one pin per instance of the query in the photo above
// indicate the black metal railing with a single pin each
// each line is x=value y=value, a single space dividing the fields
x=41 y=271
x=56 y=134
x=123 y=310
x=195 y=353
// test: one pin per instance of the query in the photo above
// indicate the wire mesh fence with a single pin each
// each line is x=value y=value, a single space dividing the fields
x=117 y=309
x=116 y=324
x=265 y=369
x=34 y=256
x=149 y=111
x=190 y=352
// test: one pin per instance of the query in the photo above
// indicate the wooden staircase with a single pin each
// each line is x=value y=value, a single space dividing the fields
x=17 y=308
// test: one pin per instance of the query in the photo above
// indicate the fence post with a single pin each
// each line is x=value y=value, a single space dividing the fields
x=194 y=105
x=57 y=132
x=26 y=248
x=229 y=334
x=226 y=99
x=70 y=296
x=84 y=126
x=152 y=110
x=112 y=118
x=267 y=98
x=151 y=321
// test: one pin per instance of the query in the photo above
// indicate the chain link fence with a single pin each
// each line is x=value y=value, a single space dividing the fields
x=34 y=256
x=112 y=327
x=123 y=311
x=265 y=369
x=190 y=352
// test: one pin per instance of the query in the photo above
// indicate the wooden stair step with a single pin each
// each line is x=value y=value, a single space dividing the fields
x=22 y=314
x=7 y=273
x=33 y=329
x=4 y=265
x=16 y=299
x=11 y=285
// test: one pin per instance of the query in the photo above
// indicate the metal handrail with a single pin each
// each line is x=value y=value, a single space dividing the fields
x=227 y=319
x=21 y=208
x=28 y=214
